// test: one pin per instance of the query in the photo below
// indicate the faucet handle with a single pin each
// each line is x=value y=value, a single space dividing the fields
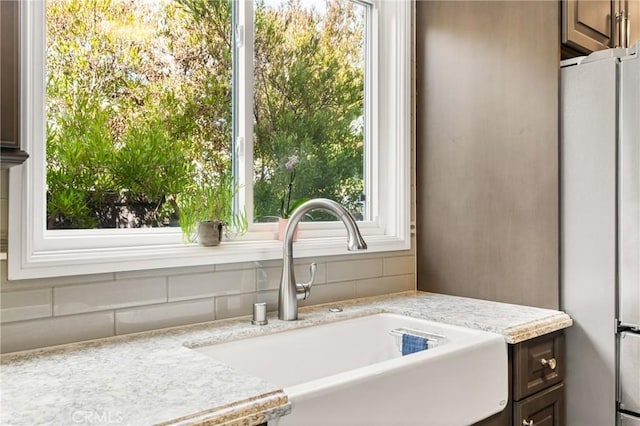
x=304 y=290
x=312 y=269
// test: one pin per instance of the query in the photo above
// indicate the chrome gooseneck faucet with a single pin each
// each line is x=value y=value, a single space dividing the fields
x=290 y=291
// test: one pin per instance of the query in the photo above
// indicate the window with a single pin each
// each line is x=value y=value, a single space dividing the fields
x=138 y=113
x=344 y=113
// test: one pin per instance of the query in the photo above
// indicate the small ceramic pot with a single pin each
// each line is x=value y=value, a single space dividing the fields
x=210 y=232
x=282 y=227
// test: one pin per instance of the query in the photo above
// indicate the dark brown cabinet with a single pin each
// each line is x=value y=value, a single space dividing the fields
x=538 y=365
x=545 y=408
x=591 y=25
x=536 y=393
x=10 y=84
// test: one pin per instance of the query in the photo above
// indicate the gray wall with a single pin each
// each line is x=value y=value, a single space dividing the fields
x=487 y=149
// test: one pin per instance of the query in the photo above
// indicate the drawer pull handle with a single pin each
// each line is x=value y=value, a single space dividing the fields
x=527 y=423
x=551 y=363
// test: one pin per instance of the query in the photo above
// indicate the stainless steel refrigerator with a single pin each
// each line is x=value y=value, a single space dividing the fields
x=600 y=235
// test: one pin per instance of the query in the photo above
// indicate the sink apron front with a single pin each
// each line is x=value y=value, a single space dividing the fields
x=353 y=373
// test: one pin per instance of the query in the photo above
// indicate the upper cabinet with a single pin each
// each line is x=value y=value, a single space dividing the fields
x=589 y=25
x=10 y=84
x=586 y=24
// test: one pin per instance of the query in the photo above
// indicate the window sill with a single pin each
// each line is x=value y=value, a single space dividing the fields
x=104 y=260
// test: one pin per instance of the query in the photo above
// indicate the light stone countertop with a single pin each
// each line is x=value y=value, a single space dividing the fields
x=155 y=378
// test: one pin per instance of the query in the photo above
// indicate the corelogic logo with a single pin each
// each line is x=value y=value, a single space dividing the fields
x=97 y=417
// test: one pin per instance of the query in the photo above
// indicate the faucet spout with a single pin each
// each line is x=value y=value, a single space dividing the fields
x=290 y=291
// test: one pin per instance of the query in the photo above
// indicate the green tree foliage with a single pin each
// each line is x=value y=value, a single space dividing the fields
x=139 y=102
x=309 y=93
x=139 y=108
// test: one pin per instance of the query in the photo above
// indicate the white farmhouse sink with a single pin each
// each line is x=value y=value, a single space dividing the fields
x=353 y=373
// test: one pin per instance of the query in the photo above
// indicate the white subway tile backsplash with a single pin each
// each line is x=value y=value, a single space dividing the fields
x=398 y=265
x=268 y=278
x=197 y=286
x=385 y=285
x=270 y=297
x=165 y=272
x=133 y=320
x=25 y=305
x=111 y=295
x=247 y=265
x=354 y=270
x=38 y=333
x=235 y=306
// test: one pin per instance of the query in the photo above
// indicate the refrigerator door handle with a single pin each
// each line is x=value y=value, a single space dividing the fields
x=629 y=379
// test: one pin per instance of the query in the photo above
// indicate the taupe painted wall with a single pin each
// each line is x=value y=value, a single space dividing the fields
x=487 y=149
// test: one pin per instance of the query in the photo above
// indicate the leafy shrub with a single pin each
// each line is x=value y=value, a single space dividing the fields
x=140 y=114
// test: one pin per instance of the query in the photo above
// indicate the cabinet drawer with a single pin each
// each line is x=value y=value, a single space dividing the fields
x=538 y=363
x=545 y=408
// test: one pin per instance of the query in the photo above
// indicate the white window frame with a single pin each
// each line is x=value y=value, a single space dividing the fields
x=35 y=252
